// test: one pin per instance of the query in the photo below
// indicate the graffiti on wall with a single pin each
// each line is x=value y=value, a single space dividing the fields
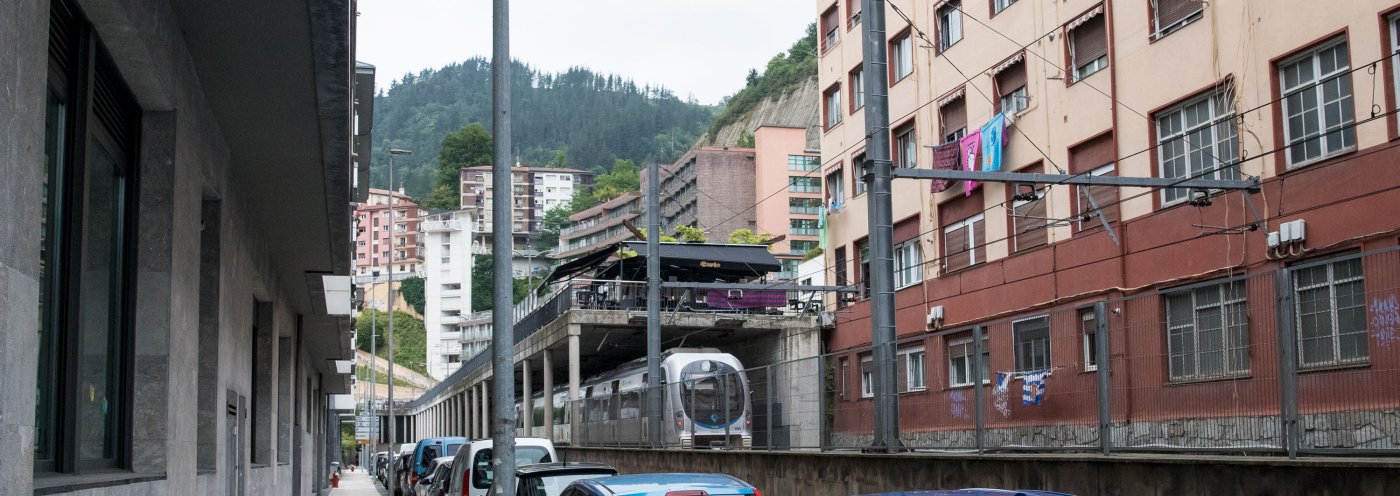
x=958 y=404
x=1385 y=320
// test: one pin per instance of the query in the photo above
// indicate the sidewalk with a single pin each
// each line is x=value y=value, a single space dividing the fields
x=358 y=483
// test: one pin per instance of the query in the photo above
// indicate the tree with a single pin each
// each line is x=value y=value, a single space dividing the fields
x=665 y=238
x=465 y=147
x=625 y=177
x=412 y=291
x=410 y=337
x=746 y=140
x=746 y=236
x=690 y=234
x=483 y=289
x=555 y=220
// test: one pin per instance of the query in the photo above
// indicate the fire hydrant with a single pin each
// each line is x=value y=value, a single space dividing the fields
x=335 y=480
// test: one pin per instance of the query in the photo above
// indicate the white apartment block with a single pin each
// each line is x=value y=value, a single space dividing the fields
x=447 y=287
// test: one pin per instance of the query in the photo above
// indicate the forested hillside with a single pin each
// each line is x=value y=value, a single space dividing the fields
x=576 y=119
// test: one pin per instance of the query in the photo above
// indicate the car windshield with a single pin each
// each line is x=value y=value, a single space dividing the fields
x=483 y=472
x=553 y=485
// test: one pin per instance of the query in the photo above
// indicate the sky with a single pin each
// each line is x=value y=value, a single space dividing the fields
x=699 y=48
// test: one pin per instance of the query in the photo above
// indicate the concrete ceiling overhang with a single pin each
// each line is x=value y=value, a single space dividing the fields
x=277 y=74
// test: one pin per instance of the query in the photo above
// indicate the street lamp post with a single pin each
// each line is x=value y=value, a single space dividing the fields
x=392 y=153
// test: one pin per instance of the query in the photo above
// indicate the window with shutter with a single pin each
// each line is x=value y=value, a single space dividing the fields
x=853 y=18
x=962 y=243
x=1088 y=48
x=830 y=23
x=954 y=118
x=949 y=24
x=906 y=146
x=1028 y=222
x=1011 y=86
x=1104 y=197
x=1170 y=15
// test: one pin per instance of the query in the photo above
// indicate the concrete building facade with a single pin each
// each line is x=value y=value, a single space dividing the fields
x=447 y=287
x=174 y=199
x=388 y=231
x=536 y=190
x=599 y=225
x=709 y=188
x=781 y=158
x=1142 y=89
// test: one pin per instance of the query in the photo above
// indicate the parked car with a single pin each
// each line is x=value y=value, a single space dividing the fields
x=381 y=466
x=472 y=472
x=438 y=469
x=550 y=479
x=975 y=492
x=402 y=468
x=428 y=450
x=662 y=485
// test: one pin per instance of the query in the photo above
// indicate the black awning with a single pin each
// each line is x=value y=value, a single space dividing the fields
x=581 y=264
x=696 y=262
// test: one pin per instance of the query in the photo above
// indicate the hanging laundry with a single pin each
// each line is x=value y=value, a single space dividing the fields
x=971 y=155
x=946 y=157
x=993 y=138
x=1001 y=394
x=1033 y=387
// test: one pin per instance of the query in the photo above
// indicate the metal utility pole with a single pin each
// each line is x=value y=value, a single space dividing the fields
x=392 y=152
x=877 y=167
x=654 y=304
x=502 y=247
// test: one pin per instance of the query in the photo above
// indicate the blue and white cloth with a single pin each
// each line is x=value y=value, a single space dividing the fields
x=1033 y=387
x=993 y=138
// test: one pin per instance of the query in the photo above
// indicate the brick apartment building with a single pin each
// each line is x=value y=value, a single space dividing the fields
x=1301 y=95
x=599 y=225
x=380 y=240
x=709 y=187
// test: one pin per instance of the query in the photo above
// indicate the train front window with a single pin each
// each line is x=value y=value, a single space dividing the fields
x=705 y=400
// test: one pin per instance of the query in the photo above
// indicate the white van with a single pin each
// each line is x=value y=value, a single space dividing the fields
x=471 y=467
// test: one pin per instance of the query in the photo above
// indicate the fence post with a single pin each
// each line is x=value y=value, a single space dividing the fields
x=1287 y=361
x=769 y=417
x=1101 y=365
x=822 y=428
x=978 y=393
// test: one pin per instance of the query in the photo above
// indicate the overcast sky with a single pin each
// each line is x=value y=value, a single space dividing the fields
x=694 y=47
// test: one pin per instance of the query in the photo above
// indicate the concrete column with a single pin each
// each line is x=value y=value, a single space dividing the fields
x=526 y=403
x=469 y=418
x=574 y=331
x=484 y=422
x=548 y=363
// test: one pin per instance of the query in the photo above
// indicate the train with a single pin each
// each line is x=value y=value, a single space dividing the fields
x=707 y=404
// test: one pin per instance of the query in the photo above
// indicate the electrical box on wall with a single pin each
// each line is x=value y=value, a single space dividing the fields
x=935 y=314
x=1289 y=234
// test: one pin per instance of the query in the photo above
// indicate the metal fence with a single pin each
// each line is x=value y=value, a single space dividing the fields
x=1304 y=359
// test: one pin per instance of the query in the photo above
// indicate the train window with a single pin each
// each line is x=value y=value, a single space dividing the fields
x=631 y=405
x=714 y=401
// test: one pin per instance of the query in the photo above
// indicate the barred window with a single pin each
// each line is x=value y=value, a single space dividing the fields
x=1207 y=332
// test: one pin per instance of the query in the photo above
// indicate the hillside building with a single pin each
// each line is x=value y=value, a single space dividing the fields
x=709 y=187
x=388 y=232
x=599 y=225
x=535 y=191
x=782 y=158
x=447 y=287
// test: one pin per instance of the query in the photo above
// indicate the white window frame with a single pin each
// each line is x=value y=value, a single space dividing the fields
x=908 y=264
x=1016 y=101
x=1221 y=113
x=1158 y=30
x=907 y=144
x=1318 y=114
x=1223 y=305
x=902 y=56
x=1049 y=343
x=1017 y=220
x=968 y=362
x=845 y=372
x=858 y=89
x=1090 y=344
x=1000 y=5
x=971 y=242
x=950 y=25
x=1335 y=337
x=1088 y=68
x=833 y=107
x=909 y=373
x=1394 y=25
x=836 y=190
x=1082 y=193
x=867 y=377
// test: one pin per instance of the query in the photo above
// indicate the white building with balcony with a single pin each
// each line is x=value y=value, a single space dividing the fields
x=447 y=287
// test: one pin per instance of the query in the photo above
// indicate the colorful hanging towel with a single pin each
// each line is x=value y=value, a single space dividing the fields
x=971 y=155
x=946 y=157
x=1000 y=393
x=993 y=137
x=1033 y=387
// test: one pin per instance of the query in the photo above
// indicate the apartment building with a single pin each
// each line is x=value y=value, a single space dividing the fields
x=175 y=254
x=782 y=158
x=599 y=225
x=535 y=191
x=447 y=287
x=388 y=231
x=1299 y=94
x=710 y=187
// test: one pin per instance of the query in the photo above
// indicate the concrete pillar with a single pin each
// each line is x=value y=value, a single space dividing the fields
x=574 y=331
x=471 y=412
x=548 y=363
x=484 y=422
x=526 y=402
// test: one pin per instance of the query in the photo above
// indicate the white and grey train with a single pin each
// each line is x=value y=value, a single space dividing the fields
x=706 y=404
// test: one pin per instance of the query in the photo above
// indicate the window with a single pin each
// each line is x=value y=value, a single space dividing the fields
x=835 y=189
x=840 y=274
x=906 y=147
x=1331 y=313
x=1028 y=217
x=801 y=247
x=857 y=88
x=804 y=184
x=1088 y=47
x=963 y=243
x=853 y=7
x=901 y=57
x=1207 y=332
x=1103 y=198
x=832 y=108
x=1197 y=139
x=1088 y=330
x=809 y=206
x=953 y=115
x=804 y=162
x=845 y=372
x=860 y=170
x=1170 y=15
x=863 y=267
x=911 y=368
x=1317 y=106
x=908 y=263
x=1394 y=27
x=960 y=361
x=867 y=378
x=804 y=227
x=1011 y=86
x=949 y=24
x=1000 y=5
x=88 y=218
x=830 y=25
x=1032 y=341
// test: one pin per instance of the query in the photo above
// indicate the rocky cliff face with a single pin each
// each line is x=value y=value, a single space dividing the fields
x=798 y=108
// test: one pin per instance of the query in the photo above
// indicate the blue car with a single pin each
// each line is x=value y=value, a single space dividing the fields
x=975 y=492
x=424 y=453
x=662 y=485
